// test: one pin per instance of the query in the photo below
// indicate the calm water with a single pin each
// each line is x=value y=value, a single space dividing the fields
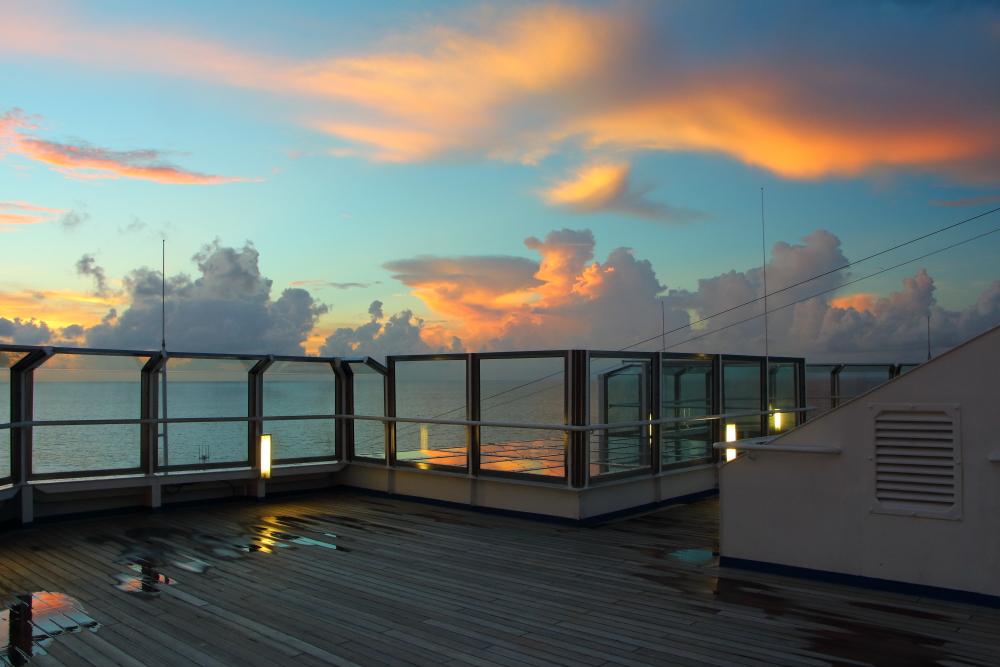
x=526 y=391
x=82 y=448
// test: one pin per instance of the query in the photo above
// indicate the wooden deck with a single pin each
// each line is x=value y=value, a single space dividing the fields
x=415 y=584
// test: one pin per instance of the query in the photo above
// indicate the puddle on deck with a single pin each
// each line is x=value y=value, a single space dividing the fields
x=149 y=549
x=823 y=630
x=31 y=621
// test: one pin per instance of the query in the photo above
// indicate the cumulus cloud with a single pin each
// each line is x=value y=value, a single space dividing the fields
x=567 y=299
x=25 y=332
x=607 y=187
x=227 y=309
x=403 y=333
x=521 y=82
x=81 y=159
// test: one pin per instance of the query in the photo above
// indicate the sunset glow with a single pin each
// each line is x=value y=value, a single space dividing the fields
x=445 y=177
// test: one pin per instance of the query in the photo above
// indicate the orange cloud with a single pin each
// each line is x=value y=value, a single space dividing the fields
x=35 y=215
x=591 y=189
x=58 y=308
x=605 y=186
x=523 y=82
x=859 y=302
x=84 y=160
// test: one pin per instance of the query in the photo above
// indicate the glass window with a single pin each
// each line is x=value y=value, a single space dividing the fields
x=819 y=392
x=783 y=390
x=856 y=380
x=433 y=389
x=619 y=392
x=741 y=393
x=205 y=388
x=301 y=388
x=686 y=391
x=78 y=386
x=528 y=391
x=369 y=400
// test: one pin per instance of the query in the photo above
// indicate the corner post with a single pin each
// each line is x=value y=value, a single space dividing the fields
x=149 y=408
x=22 y=394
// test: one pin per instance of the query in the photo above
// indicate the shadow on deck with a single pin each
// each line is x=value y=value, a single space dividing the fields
x=413 y=584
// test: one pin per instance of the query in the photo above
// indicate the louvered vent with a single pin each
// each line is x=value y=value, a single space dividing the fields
x=917 y=462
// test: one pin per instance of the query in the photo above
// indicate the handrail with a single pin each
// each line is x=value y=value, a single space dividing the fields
x=414 y=420
x=761 y=445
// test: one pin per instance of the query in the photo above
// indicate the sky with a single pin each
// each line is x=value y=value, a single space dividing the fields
x=417 y=177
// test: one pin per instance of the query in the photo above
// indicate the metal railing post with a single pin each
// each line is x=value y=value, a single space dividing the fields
x=656 y=409
x=390 y=411
x=345 y=406
x=473 y=412
x=255 y=407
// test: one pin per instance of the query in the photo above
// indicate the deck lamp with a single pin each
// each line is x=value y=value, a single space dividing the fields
x=730 y=437
x=265 y=455
x=777 y=421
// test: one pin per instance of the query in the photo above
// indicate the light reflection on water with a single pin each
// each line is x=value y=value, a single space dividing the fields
x=81 y=448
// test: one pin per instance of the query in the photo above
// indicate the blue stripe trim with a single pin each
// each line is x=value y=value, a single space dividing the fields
x=873 y=583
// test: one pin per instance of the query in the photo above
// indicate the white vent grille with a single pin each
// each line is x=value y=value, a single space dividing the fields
x=917 y=462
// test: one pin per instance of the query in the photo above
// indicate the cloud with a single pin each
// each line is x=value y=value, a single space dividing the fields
x=71 y=220
x=570 y=300
x=606 y=187
x=974 y=201
x=25 y=213
x=323 y=283
x=227 y=309
x=403 y=333
x=858 y=302
x=524 y=82
x=25 y=332
x=81 y=159
x=87 y=266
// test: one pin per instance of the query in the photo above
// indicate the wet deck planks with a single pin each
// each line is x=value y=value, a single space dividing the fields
x=413 y=584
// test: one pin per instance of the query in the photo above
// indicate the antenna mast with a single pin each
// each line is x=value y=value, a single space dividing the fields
x=767 y=355
x=163 y=295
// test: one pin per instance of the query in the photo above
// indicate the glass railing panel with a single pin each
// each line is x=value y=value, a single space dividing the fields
x=79 y=386
x=819 y=389
x=686 y=391
x=856 y=380
x=205 y=388
x=783 y=390
x=7 y=359
x=431 y=389
x=619 y=392
x=905 y=368
x=741 y=393
x=527 y=391
x=369 y=400
x=301 y=388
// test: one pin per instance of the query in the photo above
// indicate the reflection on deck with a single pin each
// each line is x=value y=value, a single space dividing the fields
x=414 y=584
